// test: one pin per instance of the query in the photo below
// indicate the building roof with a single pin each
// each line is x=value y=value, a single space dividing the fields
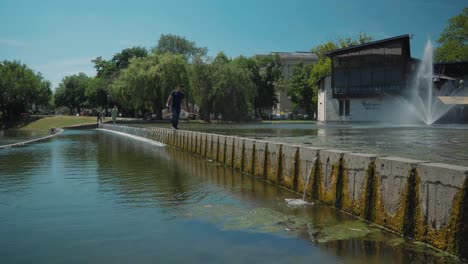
x=367 y=45
x=298 y=55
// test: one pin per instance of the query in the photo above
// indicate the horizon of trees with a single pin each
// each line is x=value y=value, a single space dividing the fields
x=138 y=79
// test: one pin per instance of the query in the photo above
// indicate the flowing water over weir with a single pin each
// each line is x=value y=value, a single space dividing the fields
x=97 y=196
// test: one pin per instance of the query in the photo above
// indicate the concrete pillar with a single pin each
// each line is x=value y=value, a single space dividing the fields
x=238 y=153
x=260 y=155
x=230 y=152
x=441 y=213
x=330 y=171
x=288 y=172
x=273 y=161
x=308 y=158
x=358 y=185
x=221 y=149
x=395 y=195
x=249 y=145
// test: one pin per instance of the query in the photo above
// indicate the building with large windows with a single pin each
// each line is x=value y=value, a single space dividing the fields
x=366 y=81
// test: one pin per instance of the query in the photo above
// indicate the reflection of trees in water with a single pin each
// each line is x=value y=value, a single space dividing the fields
x=140 y=172
x=19 y=165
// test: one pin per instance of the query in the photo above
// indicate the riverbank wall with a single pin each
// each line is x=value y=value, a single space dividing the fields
x=54 y=132
x=417 y=199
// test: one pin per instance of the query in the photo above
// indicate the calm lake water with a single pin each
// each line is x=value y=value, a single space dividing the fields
x=97 y=197
x=14 y=136
x=437 y=143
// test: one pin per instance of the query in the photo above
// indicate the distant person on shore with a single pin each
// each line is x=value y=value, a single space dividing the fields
x=114 y=113
x=174 y=101
x=99 y=117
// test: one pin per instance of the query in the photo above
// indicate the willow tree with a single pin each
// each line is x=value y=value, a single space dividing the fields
x=233 y=91
x=147 y=82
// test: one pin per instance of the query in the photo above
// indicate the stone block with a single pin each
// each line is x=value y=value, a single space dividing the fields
x=272 y=163
x=357 y=180
x=288 y=173
x=249 y=156
x=441 y=198
x=229 y=160
x=329 y=173
x=260 y=153
x=308 y=159
x=238 y=153
x=392 y=194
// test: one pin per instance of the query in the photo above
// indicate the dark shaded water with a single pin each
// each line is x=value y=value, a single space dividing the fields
x=14 y=136
x=97 y=197
x=437 y=143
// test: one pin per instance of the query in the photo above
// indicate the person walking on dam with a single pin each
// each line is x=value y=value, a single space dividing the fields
x=114 y=113
x=174 y=101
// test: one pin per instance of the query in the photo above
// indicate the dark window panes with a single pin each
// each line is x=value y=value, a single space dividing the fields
x=366 y=77
x=341 y=78
x=354 y=59
x=378 y=56
x=365 y=56
x=340 y=62
x=378 y=76
x=340 y=107
x=347 y=107
x=393 y=75
x=355 y=77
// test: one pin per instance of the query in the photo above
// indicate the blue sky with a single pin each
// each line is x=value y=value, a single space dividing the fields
x=59 y=38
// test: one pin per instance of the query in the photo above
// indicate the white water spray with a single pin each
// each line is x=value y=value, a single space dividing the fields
x=296 y=202
x=424 y=100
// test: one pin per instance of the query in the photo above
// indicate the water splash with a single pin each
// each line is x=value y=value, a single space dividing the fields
x=298 y=202
x=423 y=100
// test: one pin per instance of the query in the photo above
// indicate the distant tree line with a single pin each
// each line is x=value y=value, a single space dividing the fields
x=139 y=80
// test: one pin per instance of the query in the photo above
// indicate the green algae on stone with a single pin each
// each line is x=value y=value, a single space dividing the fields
x=343 y=231
x=262 y=220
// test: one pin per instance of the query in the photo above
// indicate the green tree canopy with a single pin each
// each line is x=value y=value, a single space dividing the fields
x=121 y=60
x=147 y=82
x=21 y=89
x=201 y=82
x=96 y=92
x=233 y=90
x=265 y=72
x=454 y=40
x=300 y=91
x=179 y=45
x=71 y=92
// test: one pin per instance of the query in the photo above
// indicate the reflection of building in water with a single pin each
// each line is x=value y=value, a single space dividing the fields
x=368 y=81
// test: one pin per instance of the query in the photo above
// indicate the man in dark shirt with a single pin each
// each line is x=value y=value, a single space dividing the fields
x=175 y=101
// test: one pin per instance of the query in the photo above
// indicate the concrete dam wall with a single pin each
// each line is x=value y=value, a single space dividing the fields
x=417 y=199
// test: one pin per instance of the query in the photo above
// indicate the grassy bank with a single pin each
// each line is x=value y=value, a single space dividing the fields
x=47 y=123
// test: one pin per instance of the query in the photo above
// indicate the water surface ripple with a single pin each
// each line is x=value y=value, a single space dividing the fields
x=98 y=197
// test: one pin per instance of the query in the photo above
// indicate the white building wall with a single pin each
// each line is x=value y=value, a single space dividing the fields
x=373 y=109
